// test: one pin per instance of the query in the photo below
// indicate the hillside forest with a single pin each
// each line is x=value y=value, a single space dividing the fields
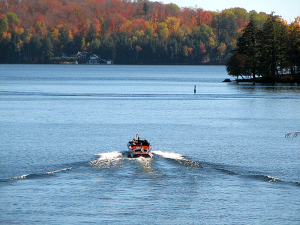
x=128 y=32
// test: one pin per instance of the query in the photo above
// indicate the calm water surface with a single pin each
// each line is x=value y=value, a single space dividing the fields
x=221 y=156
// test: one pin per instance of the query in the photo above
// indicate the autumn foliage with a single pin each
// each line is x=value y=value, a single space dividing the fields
x=139 y=32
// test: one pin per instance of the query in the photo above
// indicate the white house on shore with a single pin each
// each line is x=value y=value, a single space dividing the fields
x=93 y=59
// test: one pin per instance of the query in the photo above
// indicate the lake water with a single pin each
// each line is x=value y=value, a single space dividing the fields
x=220 y=155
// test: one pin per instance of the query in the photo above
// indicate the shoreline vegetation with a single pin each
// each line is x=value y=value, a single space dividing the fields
x=270 y=54
x=257 y=46
x=284 y=78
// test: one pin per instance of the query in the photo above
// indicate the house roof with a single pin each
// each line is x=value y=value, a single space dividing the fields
x=93 y=56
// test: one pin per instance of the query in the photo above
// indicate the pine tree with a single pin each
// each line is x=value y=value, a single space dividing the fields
x=234 y=67
x=35 y=46
x=244 y=60
x=92 y=34
x=272 y=47
x=48 y=48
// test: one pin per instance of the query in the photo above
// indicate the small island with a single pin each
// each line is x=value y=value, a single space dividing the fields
x=267 y=54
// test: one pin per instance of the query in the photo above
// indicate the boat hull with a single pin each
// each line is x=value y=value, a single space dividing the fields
x=140 y=149
x=142 y=155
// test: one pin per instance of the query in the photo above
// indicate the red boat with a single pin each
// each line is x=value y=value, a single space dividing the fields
x=139 y=148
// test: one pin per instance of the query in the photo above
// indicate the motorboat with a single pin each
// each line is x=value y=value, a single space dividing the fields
x=139 y=148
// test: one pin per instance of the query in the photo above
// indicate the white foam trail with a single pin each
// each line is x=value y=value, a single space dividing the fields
x=169 y=155
x=32 y=175
x=273 y=179
x=57 y=171
x=20 y=177
x=178 y=157
x=110 y=155
x=107 y=159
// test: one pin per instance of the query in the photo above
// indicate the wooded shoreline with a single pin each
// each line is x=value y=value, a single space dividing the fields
x=270 y=54
x=138 y=32
x=284 y=78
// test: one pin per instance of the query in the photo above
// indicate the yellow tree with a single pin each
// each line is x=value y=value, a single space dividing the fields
x=173 y=25
x=3 y=24
x=163 y=31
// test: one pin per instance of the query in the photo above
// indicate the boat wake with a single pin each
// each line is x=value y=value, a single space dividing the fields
x=249 y=175
x=28 y=176
x=243 y=173
x=169 y=155
x=177 y=157
x=107 y=159
x=273 y=179
x=116 y=159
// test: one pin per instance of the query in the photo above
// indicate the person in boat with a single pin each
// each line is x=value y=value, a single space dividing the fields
x=134 y=141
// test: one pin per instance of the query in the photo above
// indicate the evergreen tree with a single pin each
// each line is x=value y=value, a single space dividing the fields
x=246 y=53
x=92 y=34
x=47 y=49
x=145 y=8
x=65 y=44
x=35 y=46
x=77 y=43
x=6 y=53
x=234 y=67
x=272 y=47
x=25 y=37
x=95 y=46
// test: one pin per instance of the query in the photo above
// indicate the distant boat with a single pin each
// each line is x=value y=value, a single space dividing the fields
x=140 y=148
